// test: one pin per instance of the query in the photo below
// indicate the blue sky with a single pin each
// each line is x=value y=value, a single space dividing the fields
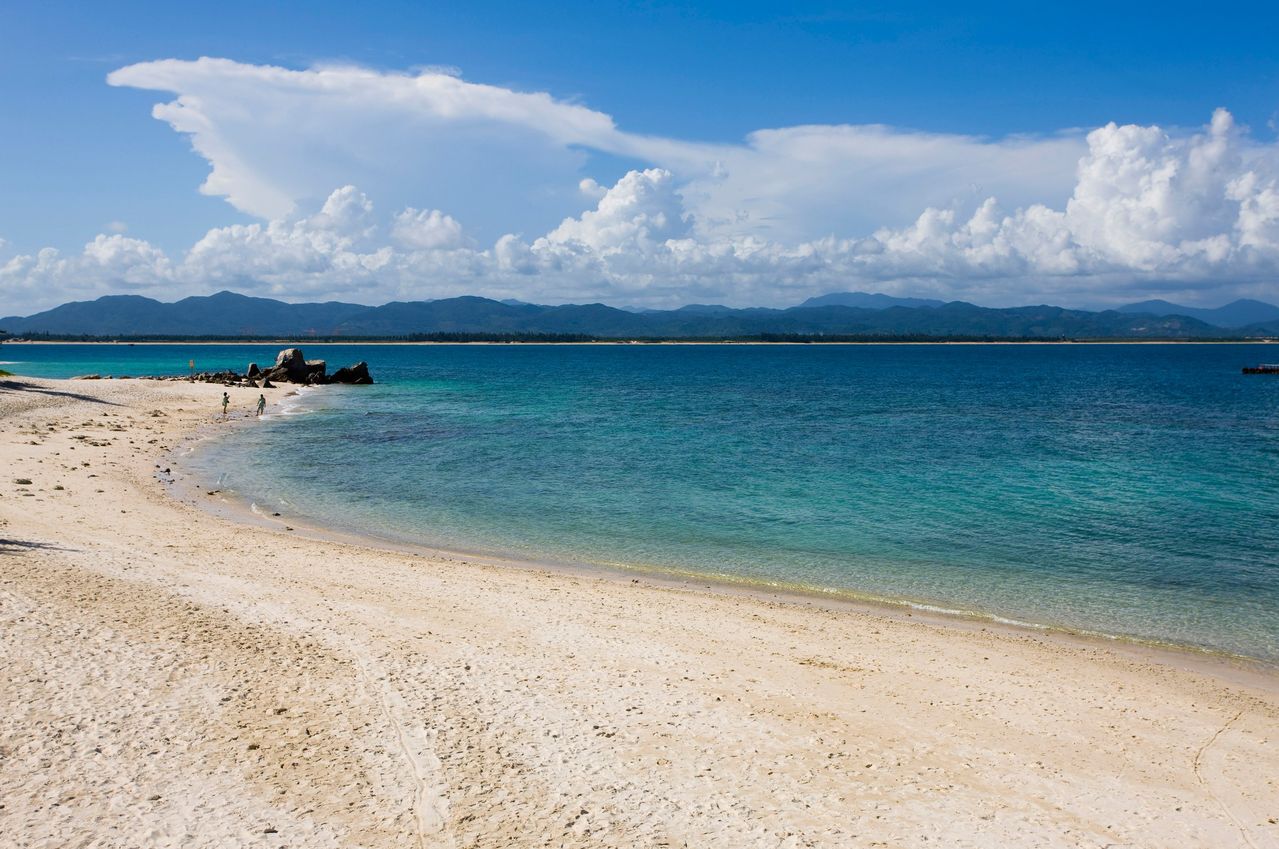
x=79 y=157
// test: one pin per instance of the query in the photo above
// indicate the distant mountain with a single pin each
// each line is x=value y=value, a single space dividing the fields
x=229 y=314
x=705 y=309
x=867 y=300
x=223 y=314
x=1239 y=313
x=1261 y=328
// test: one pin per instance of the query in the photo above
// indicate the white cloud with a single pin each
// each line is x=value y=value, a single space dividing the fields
x=278 y=140
x=639 y=213
x=1147 y=208
x=426 y=229
x=316 y=255
x=107 y=264
x=1116 y=214
x=591 y=189
x=802 y=183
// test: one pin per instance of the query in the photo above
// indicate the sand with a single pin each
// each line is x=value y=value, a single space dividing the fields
x=172 y=677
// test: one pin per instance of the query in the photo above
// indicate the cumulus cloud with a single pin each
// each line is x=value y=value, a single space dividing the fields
x=639 y=213
x=1146 y=206
x=426 y=229
x=1111 y=215
x=801 y=183
x=278 y=140
x=106 y=264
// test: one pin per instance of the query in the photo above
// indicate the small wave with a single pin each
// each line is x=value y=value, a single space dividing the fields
x=976 y=614
x=296 y=403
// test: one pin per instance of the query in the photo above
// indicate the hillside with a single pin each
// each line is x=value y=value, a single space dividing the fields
x=229 y=314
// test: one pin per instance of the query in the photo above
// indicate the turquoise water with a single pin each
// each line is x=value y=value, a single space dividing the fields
x=1124 y=489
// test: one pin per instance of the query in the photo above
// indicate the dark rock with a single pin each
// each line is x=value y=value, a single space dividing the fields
x=253 y=370
x=226 y=378
x=357 y=374
x=291 y=365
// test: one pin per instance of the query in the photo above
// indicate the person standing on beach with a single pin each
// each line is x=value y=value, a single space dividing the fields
x=226 y=400
x=261 y=404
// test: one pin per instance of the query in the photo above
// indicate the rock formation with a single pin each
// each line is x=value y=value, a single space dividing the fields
x=357 y=374
x=291 y=366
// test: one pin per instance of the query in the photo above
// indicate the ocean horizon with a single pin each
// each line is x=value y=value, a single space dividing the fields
x=1125 y=490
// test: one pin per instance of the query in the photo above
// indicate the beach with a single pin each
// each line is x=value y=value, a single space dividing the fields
x=177 y=675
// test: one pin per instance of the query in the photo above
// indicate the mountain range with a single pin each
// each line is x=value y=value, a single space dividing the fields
x=228 y=314
x=1241 y=313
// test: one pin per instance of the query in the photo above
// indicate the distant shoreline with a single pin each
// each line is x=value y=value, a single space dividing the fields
x=614 y=342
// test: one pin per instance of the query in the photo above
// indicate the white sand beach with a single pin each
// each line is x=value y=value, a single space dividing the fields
x=172 y=677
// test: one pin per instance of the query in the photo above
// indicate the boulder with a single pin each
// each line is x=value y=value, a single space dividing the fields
x=289 y=355
x=357 y=374
x=291 y=365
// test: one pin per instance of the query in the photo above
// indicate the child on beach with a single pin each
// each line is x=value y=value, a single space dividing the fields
x=226 y=399
x=261 y=404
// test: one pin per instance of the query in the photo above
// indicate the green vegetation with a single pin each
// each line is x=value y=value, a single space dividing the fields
x=227 y=316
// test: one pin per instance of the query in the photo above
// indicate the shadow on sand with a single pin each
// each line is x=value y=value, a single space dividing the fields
x=19 y=386
x=17 y=546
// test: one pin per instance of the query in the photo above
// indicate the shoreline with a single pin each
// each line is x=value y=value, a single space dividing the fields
x=1228 y=665
x=642 y=342
x=177 y=677
x=240 y=508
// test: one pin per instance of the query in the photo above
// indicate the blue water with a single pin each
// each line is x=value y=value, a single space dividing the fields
x=1124 y=489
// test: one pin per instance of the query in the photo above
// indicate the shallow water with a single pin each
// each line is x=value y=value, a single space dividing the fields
x=1123 y=489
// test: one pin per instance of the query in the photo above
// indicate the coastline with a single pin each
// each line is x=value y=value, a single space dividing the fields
x=240 y=508
x=1225 y=664
x=317 y=343
x=1073 y=740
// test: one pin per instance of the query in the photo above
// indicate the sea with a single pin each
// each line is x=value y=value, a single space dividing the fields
x=1122 y=490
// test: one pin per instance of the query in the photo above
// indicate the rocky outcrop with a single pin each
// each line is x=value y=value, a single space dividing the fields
x=292 y=366
x=357 y=375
